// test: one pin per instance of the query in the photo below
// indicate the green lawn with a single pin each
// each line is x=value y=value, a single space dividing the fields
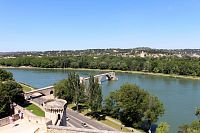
x=35 y=109
x=70 y=105
x=115 y=126
x=26 y=88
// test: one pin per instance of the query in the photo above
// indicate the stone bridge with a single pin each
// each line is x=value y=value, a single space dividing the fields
x=44 y=91
x=109 y=76
x=50 y=89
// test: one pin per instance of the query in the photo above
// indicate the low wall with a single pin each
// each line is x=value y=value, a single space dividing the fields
x=33 y=118
x=39 y=120
x=6 y=121
x=62 y=129
x=25 y=111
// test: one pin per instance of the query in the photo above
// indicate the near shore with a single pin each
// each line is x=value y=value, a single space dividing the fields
x=121 y=71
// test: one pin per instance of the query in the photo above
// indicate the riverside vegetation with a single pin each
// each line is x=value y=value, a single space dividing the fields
x=130 y=104
x=188 y=66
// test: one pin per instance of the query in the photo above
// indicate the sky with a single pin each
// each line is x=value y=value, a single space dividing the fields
x=40 y=25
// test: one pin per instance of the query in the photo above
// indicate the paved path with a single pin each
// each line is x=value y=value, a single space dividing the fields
x=20 y=126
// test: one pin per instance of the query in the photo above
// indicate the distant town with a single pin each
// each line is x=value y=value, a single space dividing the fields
x=131 y=52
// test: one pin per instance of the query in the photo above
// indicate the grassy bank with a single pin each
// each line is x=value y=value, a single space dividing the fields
x=107 y=70
x=34 y=109
x=26 y=88
x=115 y=126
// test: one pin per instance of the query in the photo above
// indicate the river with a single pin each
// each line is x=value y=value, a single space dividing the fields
x=180 y=96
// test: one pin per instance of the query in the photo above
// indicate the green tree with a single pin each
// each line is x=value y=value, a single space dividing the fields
x=77 y=87
x=4 y=75
x=163 y=127
x=94 y=94
x=70 y=89
x=154 y=109
x=132 y=105
x=194 y=127
x=10 y=91
x=63 y=90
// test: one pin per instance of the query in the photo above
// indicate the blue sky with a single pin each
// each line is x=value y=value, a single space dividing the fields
x=84 y=24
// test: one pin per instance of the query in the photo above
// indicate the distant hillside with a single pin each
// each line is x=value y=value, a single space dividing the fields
x=141 y=51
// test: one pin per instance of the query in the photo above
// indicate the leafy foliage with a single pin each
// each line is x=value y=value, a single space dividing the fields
x=63 y=90
x=194 y=127
x=94 y=94
x=70 y=89
x=163 y=127
x=4 y=75
x=132 y=106
x=10 y=91
x=73 y=91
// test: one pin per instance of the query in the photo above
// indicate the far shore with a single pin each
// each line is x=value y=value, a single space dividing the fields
x=87 y=69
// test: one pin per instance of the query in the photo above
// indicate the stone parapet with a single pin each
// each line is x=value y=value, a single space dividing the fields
x=6 y=121
x=62 y=129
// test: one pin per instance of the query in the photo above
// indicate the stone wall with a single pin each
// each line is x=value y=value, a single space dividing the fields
x=6 y=121
x=39 y=120
x=62 y=129
x=33 y=118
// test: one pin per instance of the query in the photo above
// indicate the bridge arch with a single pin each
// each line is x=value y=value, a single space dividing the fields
x=51 y=92
x=44 y=91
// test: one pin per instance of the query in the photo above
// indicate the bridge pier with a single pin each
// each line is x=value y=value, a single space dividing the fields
x=109 y=76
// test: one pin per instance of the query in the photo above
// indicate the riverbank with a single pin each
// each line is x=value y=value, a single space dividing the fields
x=26 y=88
x=107 y=70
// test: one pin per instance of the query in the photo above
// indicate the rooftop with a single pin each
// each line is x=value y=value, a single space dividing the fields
x=55 y=103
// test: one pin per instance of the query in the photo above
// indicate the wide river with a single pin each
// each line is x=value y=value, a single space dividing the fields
x=180 y=96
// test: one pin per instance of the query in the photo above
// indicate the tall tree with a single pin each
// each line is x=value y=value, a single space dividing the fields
x=94 y=94
x=63 y=90
x=76 y=87
x=70 y=89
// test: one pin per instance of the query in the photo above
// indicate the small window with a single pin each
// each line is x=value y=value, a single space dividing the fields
x=58 y=116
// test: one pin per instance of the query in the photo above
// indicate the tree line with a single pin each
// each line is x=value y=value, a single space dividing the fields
x=167 y=65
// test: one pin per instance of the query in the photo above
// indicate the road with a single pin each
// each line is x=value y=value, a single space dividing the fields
x=76 y=119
